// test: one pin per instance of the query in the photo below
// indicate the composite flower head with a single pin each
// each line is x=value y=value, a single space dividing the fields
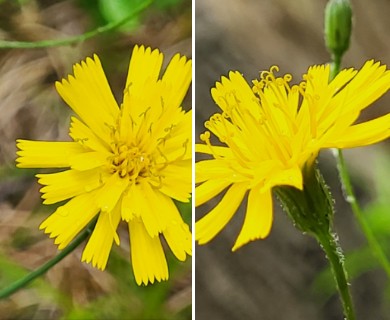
x=270 y=131
x=124 y=163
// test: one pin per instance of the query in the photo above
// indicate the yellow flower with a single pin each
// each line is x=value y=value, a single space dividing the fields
x=272 y=130
x=124 y=163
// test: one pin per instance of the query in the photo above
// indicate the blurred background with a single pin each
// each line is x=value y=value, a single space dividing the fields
x=30 y=108
x=285 y=276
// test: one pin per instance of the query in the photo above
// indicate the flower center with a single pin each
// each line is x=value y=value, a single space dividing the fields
x=130 y=162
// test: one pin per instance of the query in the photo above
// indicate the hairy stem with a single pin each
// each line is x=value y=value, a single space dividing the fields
x=334 y=254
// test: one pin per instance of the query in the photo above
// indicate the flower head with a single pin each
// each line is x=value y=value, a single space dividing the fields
x=272 y=131
x=124 y=163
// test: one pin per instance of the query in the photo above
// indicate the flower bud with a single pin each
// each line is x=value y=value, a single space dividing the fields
x=338 y=25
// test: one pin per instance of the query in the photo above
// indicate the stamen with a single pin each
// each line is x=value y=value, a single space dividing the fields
x=273 y=69
x=130 y=162
x=143 y=114
x=257 y=86
x=226 y=115
x=162 y=105
x=127 y=89
x=307 y=77
x=217 y=124
x=133 y=123
x=170 y=128
x=264 y=74
x=164 y=157
x=205 y=137
x=287 y=77
x=162 y=139
x=185 y=146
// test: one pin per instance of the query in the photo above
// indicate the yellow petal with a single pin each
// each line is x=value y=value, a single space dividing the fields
x=170 y=131
x=178 y=235
x=370 y=83
x=80 y=133
x=68 y=220
x=213 y=222
x=214 y=169
x=235 y=89
x=180 y=170
x=111 y=192
x=177 y=181
x=175 y=144
x=127 y=126
x=67 y=184
x=214 y=150
x=258 y=218
x=103 y=235
x=176 y=80
x=143 y=195
x=209 y=189
x=286 y=177
x=46 y=154
x=160 y=212
x=132 y=202
x=144 y=70
x=177 y=191
x=147 y=255
x=89 y=160
x=363 y=134
x=145 y=65
x=89 y=95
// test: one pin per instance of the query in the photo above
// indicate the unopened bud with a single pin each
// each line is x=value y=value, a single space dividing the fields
x=338 y=26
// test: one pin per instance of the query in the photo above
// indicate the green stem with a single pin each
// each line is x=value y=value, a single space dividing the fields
x=80 y=38
x=334 y=254
x=350 y=197
x=335 y=67
x=4 y=293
